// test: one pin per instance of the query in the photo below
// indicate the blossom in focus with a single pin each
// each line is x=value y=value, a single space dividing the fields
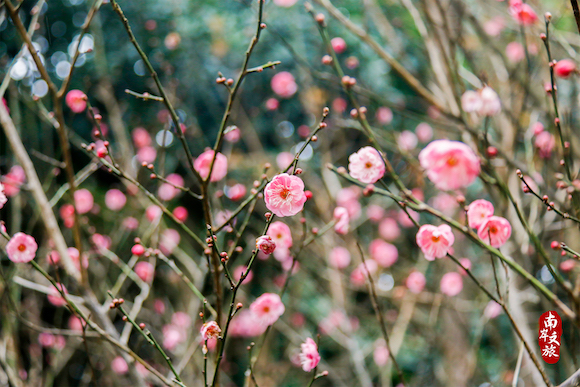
x=284 y=195
x=366 y=165
x=435 y=241
x=265 y=244
x=495 y=231
x=478 y=211
x=21 y=248
x=284 y=84
x=280 y=234
x=451 y=284
x=203 y=162
x=342 y=220
x=210 y=329
x=76 y=100
x=267 y=308
x=309 y=357
x=450 y=164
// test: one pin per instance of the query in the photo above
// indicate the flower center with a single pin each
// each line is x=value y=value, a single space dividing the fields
x=266 y=309
x=22 y=247
x=368 y=165
x=493 y=229
x=452 y=161
x=435 y=238
x=284 y=194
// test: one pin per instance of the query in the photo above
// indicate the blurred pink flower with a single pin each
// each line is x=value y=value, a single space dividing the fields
x=284 y=84
x=3 y=198
x=180 y=213
x=450 y=164
x=338 y=45
x=284 y=159
x=13 y=180
x=522 y=12
x=375 y=213
x=172 y=336
x=246 y=324
x=119 y=366
x=210 y=329
x=75 y=323
x=445 y=203
x=342 y=220
x=280 y=234
x=284 y=195
x=348 y=198
x=169 y=240
x=83 y=200
x=54 y=296
x=466 y=264
x=515 y=52
x=494 y=26
x=145 y=271
x=564 y=68
x=266 y=244
x=435 y=241
x=21 y=248
x=407 y=140
x=470 y=101
x=492 y=310
x=495 y=229
x=381 y=353
x=384 y=115
x=567 y=265
x=339 y=257
x=141 y=137
x=285 y=3
x=366 y=165
x=238 y=271
x=451 y=284
x=203 y=163
x=359 y=275
x=74 y=255
x=424 y=132
x=415 y=282
x=236 y=192
x=389 y=229
x=232 y=134
x=115 y=199
x=168 y=191
x=490 y=102
x=404 y=220
x=309 y=357
x=478 y=211
x=76 y=100
x=545 y=142
x=384 y=253
x=45 y=339
x=130 y=223
x=181 y=319
x=268 y=308
x=147 y=154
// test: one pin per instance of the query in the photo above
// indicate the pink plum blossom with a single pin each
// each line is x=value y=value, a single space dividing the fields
x=478 y=211
x=181 y=319
x=266 y=244
x=348 y=198
x=47 y=340
x=339 y=257
x=13 y=180
x=366 y=165
x=470 y=101
x=76 y=100
x=169 y=240
x=450 y=164
x=407 y=140
x=451 y=284
x=490 y=102
x=3 y=198
x=415 y=282
x=545 y=143
x=309 y=357
x=522 y=12
x=285 y=3
x=445 y=203
x=203 y=163
x=268 y=308
x=145 y=271
x=284 y=84
x=119 y=366
x=167 y=191
x=284 y=195
x=180 y=213
x=83 y=200
x=54 y=296
x=21 y=248
x=384 y=253
x=232 y=134
x=246 y=324
x=173 y=336
x=389 y=229
x=209 y=330
x=238 y=271
x=338 y=45
x=564 y=68
x=147 y=154
x=342 y=220
x=435 y=241
x=492 y=310
x=284 y=159
x=375 y=213
x=280 y=234
x=359 y=274
x=237 y=192
x=424 y=132
x=384 y=115
x=494 y=26
x=496 y=230
x=115 y=199
x=515 y=52
x=141 y=137
x=381 y=353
